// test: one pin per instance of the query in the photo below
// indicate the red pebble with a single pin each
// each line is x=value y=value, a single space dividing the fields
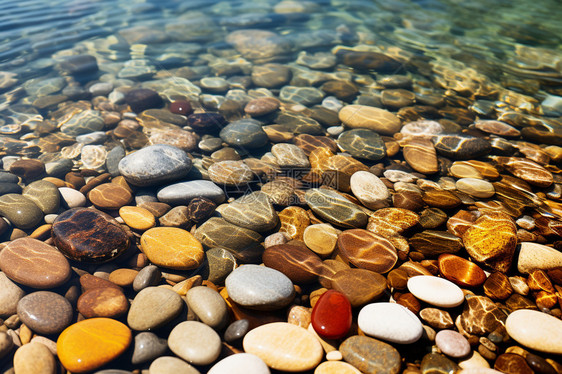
x=331 y=315
x=181 y=107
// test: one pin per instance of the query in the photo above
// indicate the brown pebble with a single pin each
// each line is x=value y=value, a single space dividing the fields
x=107 y=302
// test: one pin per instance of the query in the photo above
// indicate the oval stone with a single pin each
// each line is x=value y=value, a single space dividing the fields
x=245 y=133
x=195 y=342
x=376 y=119
x=370 y=355
x=283 y=346
x=535 y=330
x=362 y=143
x=107 y=302
x=10 y=295
x=331 y=315
x=182 y=193
x=21 y=211
x=369 y=189
x=367 y=250
x=391 y=322
x=172 y=248
x=335 y=367
x=476 y=187
x=169 y=364
x=110 y=196
x=335 y=208
x=89 y=235
x=259 y=287
x=44 y=194
x=533 y=256
x=420 y=154
x=321 y=238
x=148 y=346
x=208 y=305
x=240 y=363
x=34 y=263
x=137 y=218
x=298 y=263
x=360 y=286
x=34 y=358
x=452 y=343
x=436 y=291
x=253 y=211
x=45 y=312
x=153 y=307
x=461 y=271
x=91 y=343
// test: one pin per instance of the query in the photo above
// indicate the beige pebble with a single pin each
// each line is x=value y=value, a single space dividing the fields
x=321 y=238
x=533 y=256
x=34 y=358
x=334 y=356
x=195 y=342
x=475 y=360
x=336 y=367
x=169 y=364
x=535 y=330
x=476 y=187
x=369 y=189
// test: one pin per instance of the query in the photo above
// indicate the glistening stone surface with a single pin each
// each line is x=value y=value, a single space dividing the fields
x=436 y=291
x=367 y=250
x=172 y=248
x=21 y=211
x=153 y=307
x=376 y=119
x=335 y=209
x=195 y=342
x=535 y=330
x=390 y=322
x=331 y=315
x=371 y=355
x=45 y=312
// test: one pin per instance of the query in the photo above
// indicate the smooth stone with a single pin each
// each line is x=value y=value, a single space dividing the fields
x=147 y=347
x=230 y=173
x=34 y=358
x=497 y=286
x=436 y=291
x=390 y=322
x=270 y=75
x=155 y=164
x=437 y=318
x=6 y=344
x=45 y=312
x=363 y=144
x=529 y=171
x=368 y=60
x=533 y=256
x=154 y=307
x=298 y=263
x=10 y=295
x=437 y=363
x=303 y=95
x=172 y=247
x=208 y=305
x=432 y=243
x=220 y=263
x=107 y=302
x=200 y=209
x=458 y=147
x=195 y=342
x=367 y=250
x=476 y=187
x=48 y=269
x=84 y=122
x=79 y=64
x=283 y=346
x=110 y=196
x=452 y=343
x=331 y=315
x=140 y=99
x=44 y=194
x=92 y=343
x=290 y=156
x=28 y=170
x=370 y=355
x=258 y=287
x=6 y=188
x=360 y=286
x=206 y=122
x=182 y=193
x=369 y=189
x=149 y=275
x=512 y=363
x=391 y=223
x=335 y=367
x=89 y=235
x=169 y=364
x=182 y=107
x=460 y=271
x=21 y=211
x=246 y=133
x=334 y=208
x=321 y=238
x=253 y=211
x=137 y=218
x=379 y=120
x=72 y=198
x=294 y=220
x=492 y=240
x=261 y=106
x=535 y=330
x=481 y=316
x=236 y=331
x=240 y=363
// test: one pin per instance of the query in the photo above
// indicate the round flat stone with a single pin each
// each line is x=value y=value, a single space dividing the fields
x=253 y=211
x=21 y=211
x=376 y=119
x=91 y=343
x=240 y=363
x=283 y=346
x=535 y=330
x=208 y=305
x=154 y=165
x=230 y=173
x=147 y=347
x=436 y=291
x=367 y=250
x=153 y=307
x=44 y=194
x=461 y=271
x=182 y=193
x=195 y=342
x=182 y=107
x=34 y=358
x=321 y=238
x=362 y=143
x=335 y=208
x=360 y=286
x=298 y=263
x=258 y=287
x=391 y=322
x=10 y=295
x=369 y=189
x=89 y=235
x=45 y=312
x=110 y=196
x=420 y=154
x=331 y=315
x=459 y=147
x=452 y=343
x=294 y=220
x=533 y=256
x=34 y=264
x=289 y=155
x=527 y=170
x=220 y=264
x=137 y=218
x=107 y=302
x=497 y=128
x=246 y=133
x=371 y=355
x=302 y=95
x=169 y=364
x=476 y=187
x=172 y=248
x=261 y=106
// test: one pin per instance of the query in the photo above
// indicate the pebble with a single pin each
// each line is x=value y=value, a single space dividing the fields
x=137 y=218
x=253 y=211
x=72 y=198
x=535 y=330
x=334 y=208
x=147 y=347
x=436 y=291
x=437 y=363
x=458 y=147
x=44 y=194
x=182 y=193
x=367 y=250
x=170 y=364
x=369 y=189
x=452 y=343
x=48 y=269
x=379 y=120
x=437 y=318
x=298 y=263
x=230 y=173
x=420 y=154
x=155 y=164
x=220 y=263
x=208 y=305
x=476 y=187
x=331 y=315
x=200 y=209
x=258 y=287
x=321 y=238
x=10 y=295
x=149 y=275
x=370 y=355
x=481 y=316
x=195 y=342
x=21 y=211
x=294 y=220
x=89 y=235
x=261 y=106
x=6 y=344
x=236 y=331
x=460 y=271
x=360 y=286
x=290 y=156
x=105 y=339
x=154 y=307
x=335 y=367
x=283 y=346
x=172 y=248
x=107 y=302
x=45 y=312
x=390 y=322
x=533 y=256
x=246 y=133
x=362 y=144
x=140 y=99
x=240 y=363
x=110 y=196
x=34 y=358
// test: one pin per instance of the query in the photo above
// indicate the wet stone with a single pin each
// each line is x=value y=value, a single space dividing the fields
x=360 y=286
x=459 y=147
x=82 y=123
x=321 y=238
x=533 y=256
x=110 y=196
x=182 y=107
x=172 y=248
x=294 y=220
x=270 y=75
x=379 y=120
x=497 y=286
x=438 y=364
x=147 y=347
x=236 y=331
x=244 y=133
x=369 y=189
x=452 y=343
x=200 y=208
x=206 y=122
x=397 y=98
x=481 y=316
x=171 y=364
x=335 y=209
x=367 y=250
x=21 y=211
x=182 y=193
x=390 y=322
x=460 y=271
x=512 y=363
x=420 y=154
x=433 y=243
x=208 y=305
x=142 y=98
x=148 y=276
x=154 y=307
x=437 y=318
x=299 y=264
x=89 y=235
x=79 y=65
x=261 y=106
x=476 y=187
x=48 y=269
x=45 y=312
x=497 y=128
x=230 y=173
x=137 y=218
x=535 y=330
x=10 y=295
x=363 y=143
x=391 y=223
x=436 y=291
x=28 y=170
x=301 y=95
x=527 y=170
x=441 y=199
x=220 y=264
x=432 y=218
x=371 y=355
x=107 y=302
x=195 y=342
x=422 y=128
x=331 y=315
x=290 y=156
x=343 y=90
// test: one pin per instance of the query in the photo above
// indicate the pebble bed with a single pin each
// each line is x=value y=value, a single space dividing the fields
x=349 y=209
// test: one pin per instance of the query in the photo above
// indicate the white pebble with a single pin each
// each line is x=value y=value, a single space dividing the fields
x=436 y=291
x=391 y=322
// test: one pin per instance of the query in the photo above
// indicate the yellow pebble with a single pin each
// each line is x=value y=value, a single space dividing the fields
x=137 y=218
